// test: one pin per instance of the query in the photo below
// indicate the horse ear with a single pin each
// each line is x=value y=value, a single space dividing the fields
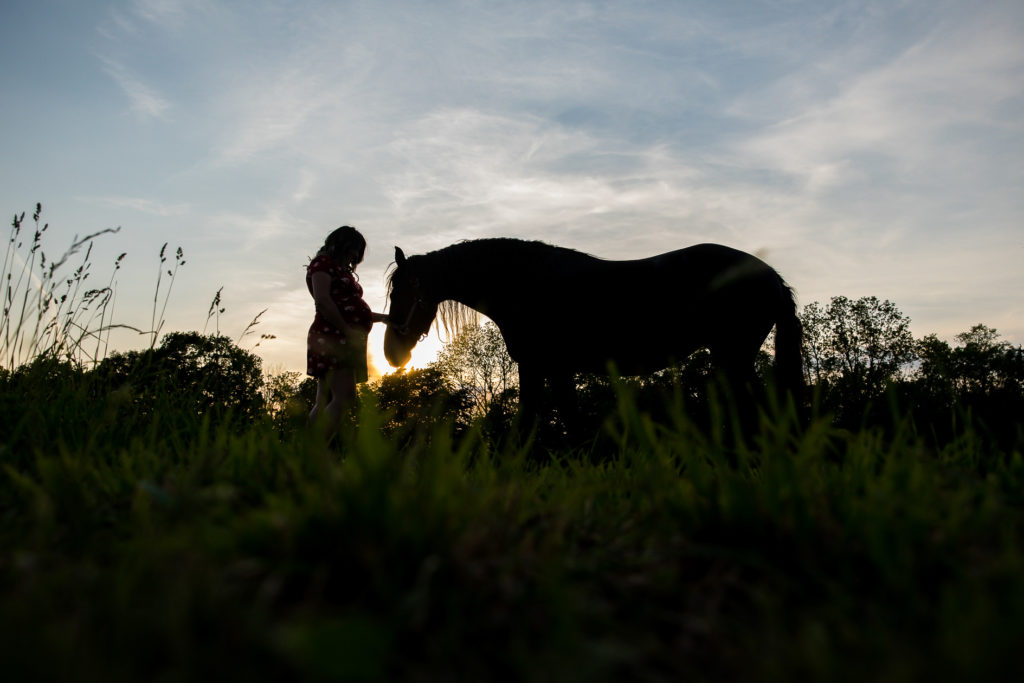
x=399 y=257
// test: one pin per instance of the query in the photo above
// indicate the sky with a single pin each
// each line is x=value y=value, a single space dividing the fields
x=862 y=148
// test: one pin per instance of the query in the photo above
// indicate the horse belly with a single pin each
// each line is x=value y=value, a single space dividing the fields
x=631 y=350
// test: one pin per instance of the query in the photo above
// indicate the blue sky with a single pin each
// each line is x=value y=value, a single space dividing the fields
x=862 y=148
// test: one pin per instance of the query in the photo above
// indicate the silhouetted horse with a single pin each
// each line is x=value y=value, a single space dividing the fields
x=562 y=311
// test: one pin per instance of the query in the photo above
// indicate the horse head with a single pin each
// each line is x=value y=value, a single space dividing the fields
x=412 y=310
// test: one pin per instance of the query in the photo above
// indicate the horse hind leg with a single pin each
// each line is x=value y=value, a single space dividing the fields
x=531 y=392
x=565 y=400
x=740 y=390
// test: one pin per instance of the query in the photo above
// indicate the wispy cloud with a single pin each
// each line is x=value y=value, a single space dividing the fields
x=273 y=109
x=905 y=112
x=147 y=206
x=275 y=217
x=249 y=230
x=169 y=14
x=144 y=98
x=468 y=173
x=304 y=188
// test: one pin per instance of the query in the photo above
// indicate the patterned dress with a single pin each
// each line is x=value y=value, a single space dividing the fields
x=327 y=347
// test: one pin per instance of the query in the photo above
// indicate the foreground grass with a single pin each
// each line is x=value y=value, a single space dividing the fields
x=198 y=553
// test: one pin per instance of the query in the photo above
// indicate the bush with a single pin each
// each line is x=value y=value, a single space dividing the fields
x=190 y=375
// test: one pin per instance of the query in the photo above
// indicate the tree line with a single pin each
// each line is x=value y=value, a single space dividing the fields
x=862 y=365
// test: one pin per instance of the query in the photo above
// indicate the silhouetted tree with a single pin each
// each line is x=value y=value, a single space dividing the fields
x=477 y=362
x=979 y=380
x=31 y=396
x=935 y=374
x=979 y=364
x=191 y=374
x=279 y=389
x=686 y=382
x=417 y=400
x=984 y=364
x=288 y=397
x=854 y=349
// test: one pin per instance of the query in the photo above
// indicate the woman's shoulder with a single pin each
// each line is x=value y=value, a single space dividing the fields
x=320 y=263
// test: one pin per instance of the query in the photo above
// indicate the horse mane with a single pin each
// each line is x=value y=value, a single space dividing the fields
x=451 y=315
x=454 y=316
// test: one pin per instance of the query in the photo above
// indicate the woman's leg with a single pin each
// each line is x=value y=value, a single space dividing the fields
x=343 y=395
x=323 y=395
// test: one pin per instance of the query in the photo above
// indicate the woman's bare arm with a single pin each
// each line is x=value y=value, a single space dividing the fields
x=381 y=318
x=325 y=306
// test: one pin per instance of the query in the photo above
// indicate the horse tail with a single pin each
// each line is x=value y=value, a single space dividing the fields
x=789 y=371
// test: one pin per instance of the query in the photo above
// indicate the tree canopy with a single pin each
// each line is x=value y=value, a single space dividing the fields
x=200 y=374
x=477 y=363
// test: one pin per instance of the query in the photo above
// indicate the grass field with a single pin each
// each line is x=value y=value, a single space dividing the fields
x=181 y=550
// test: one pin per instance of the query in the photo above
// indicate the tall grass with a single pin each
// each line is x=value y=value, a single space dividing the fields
x=51 y=313
x=45 y=311
x=156 y=324
x=199 y=552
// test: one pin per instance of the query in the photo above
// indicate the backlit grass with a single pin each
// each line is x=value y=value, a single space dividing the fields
x=191 y=551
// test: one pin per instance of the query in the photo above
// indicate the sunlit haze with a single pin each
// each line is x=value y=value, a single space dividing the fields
x=861 y=148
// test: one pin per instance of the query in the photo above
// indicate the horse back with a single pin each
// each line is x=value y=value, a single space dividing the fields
x=643 y=314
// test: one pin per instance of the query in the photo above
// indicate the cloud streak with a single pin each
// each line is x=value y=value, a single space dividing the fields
x=143 y=98
x=142 y=205
x=904 y=111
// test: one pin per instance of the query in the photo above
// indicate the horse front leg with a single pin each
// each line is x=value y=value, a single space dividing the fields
x=563 y=390
x=741 y=392
x=531 y=391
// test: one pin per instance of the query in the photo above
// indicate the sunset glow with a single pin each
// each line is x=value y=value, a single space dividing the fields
x=423 y=354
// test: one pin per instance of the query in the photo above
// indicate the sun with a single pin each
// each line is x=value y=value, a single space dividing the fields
x=423 y=354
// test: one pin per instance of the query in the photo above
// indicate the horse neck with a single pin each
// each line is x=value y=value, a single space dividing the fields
x=458 y=275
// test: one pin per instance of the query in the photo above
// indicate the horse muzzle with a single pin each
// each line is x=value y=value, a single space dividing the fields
x=397 y=346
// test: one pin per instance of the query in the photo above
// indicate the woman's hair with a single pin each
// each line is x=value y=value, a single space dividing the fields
x=344 y=239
